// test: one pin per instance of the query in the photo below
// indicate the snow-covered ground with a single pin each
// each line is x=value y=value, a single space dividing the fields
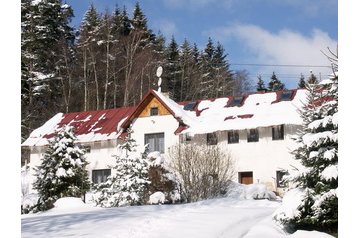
x=222 y=217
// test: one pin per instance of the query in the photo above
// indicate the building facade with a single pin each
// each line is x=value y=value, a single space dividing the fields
x=256 y=129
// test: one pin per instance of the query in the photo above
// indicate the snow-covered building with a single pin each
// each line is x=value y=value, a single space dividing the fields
x=257 y=130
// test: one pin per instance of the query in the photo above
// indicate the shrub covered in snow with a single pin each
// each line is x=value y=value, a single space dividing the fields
x=162 y=178
x=62 y=171
x=157 y=198
x=250 y=191
x=314 y=204
x=129 y=183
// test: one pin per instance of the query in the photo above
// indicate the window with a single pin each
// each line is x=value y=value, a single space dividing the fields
x=187 y=137
x=246 y=177
x=190 y=106
x=253 y=135
x=211 y=139
x=277 y=132
x=155 y=142
x=100 y=175
x=154 y=111
x=87 y=148
x=236 y=101
x=232 y=137
x=279 y=178
x=286 y=96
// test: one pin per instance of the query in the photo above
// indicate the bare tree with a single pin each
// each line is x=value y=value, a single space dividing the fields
x=205 y=171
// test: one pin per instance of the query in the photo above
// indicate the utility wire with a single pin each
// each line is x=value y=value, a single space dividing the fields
x=284 y=65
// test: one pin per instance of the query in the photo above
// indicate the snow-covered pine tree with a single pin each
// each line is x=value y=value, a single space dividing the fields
x=45 y=33
x=129 y=183
x=260 y=85
x=275 y=84
x=318 y=152
x=62 y=172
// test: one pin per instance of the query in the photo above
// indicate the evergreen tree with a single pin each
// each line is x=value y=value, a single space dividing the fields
x=129 y=183
x=222 y=76
x=172 y=70
x=318 y=153
x=312 y=79
x=260 y=85
x=186 y=62
x=62 y=172
x=44 y=30
x=302 y=82
x=275 y=84
x=121 y=23
x=139 y=23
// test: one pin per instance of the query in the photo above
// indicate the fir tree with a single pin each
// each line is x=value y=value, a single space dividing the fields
x=45 y=31
x=172 y=70
x=62 y=172
x=302 y=82
x=121 y=24
x=318 y=153
x=129 y=183
x=312 y=79
x=260 y=85
x=139 y=23
x=275 y=84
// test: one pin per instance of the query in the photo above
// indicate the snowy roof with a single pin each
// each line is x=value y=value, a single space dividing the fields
x=194 y=117
x=250 y=111
x=88 y=126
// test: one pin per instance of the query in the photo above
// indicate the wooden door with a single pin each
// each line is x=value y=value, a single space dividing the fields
x=246 y=177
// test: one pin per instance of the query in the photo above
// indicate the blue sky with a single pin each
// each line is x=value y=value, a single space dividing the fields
x=275 y=32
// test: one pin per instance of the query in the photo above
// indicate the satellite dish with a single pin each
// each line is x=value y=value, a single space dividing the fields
x=159 y=71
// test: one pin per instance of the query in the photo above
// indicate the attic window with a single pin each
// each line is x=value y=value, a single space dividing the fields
x=286 y=96
x=154 y=111
x=190 y=106
x=236 y=101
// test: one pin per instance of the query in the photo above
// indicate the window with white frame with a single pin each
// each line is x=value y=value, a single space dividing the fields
x=155 y=142
x=278 y=132
x=100 y=175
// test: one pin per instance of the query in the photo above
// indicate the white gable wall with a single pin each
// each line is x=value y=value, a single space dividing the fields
x=156 y=124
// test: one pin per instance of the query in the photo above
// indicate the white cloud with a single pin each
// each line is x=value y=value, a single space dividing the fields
x=286 y=47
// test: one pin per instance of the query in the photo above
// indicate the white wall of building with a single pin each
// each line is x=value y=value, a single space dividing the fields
x=263 y=158
x=156 y=124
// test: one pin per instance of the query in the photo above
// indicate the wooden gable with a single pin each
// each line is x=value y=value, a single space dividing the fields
x=149 y=101
x=154 y=103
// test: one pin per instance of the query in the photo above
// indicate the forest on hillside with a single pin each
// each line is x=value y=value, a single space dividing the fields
x=110 y=62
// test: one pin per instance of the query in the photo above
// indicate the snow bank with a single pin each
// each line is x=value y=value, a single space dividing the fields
x=157 y=198
x=290 y=203
x=310 y=234
x=67 y=203
x=251 y=191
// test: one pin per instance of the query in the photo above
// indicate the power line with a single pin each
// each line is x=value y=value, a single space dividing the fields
x=283 y=65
